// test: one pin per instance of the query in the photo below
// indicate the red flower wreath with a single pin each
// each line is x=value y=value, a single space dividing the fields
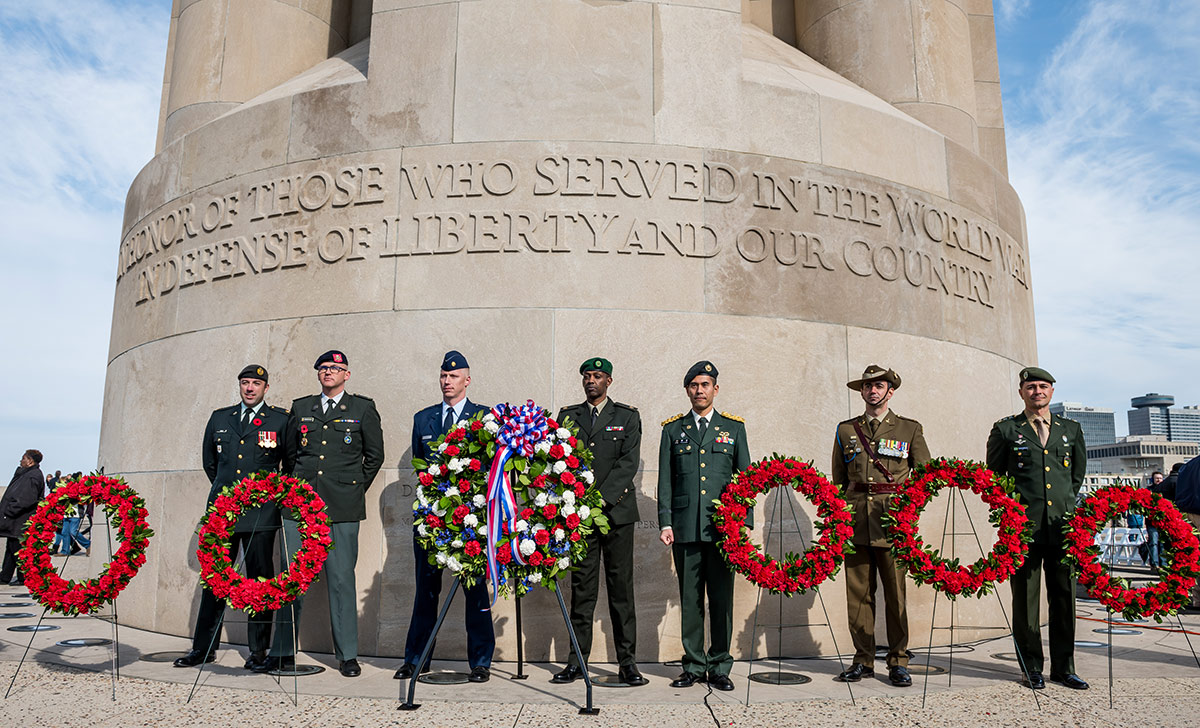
x=127 y=513
x=216 y=568
x=1181 y=550
x=948 y=576
x=797 y=573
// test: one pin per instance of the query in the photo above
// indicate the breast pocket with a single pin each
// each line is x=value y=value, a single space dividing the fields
x=350 y=434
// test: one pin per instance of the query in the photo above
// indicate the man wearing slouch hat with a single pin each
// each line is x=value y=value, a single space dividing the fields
x=872 y=455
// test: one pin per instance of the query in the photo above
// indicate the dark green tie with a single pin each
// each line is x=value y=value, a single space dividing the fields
x=595 y=415
x=246 y=417
x=703 y=427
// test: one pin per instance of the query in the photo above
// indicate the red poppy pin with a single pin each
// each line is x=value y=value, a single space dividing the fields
x=303 y=428
x=257 y=422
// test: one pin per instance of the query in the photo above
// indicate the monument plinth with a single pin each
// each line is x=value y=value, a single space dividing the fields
x=791 y=191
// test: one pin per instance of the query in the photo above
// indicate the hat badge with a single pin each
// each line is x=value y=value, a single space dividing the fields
x=337 y=358
x=258 y=370
x=598 y=363
x=453 y=363
x=708 y=367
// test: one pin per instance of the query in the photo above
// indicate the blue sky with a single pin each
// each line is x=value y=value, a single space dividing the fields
x=1102 y=104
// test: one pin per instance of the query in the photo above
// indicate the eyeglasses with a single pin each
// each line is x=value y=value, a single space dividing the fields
x=324 y=369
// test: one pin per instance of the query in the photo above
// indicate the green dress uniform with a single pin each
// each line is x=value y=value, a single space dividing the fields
x=899 y=444
x=1048 y=478
x=338 y=452
x=693 y=470
x=615 y=439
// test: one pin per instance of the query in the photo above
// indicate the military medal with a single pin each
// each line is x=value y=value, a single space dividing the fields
x=218 y=449
x=347 y=438
x=304 y=435
x=267 y=439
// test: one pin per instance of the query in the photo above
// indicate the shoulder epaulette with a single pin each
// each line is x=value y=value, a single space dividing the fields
x=669 y=420
x=363 y=396
x=625 y=406
x=735 y=418
x=280 y=410
x=1006 y=419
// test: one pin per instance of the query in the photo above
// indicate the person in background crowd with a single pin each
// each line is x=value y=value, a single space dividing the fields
x=18 y=504
x=1152 y=554
x=1185 y=492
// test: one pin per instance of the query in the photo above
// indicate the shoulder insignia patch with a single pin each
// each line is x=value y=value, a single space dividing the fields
x=626 y=406
x=735 y=418
x=669 y=420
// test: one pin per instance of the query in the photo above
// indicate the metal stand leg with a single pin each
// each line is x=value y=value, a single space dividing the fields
x=437 y=626
x=589 y=709
x=520 y=647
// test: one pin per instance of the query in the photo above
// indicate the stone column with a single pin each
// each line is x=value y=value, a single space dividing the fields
x=989 y=112
x=226 y=52
x=914 y=54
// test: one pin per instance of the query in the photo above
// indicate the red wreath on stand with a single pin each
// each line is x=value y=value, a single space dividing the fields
x=261 y=595
x=1181 y=548
x=797 y=573
x=948 y=576
x=127 y=514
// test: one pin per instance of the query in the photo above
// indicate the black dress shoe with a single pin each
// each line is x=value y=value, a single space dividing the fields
x=855 y=673
x=255 y=658
x=629 y=675
x=1070 y=680
x=280 y=664
x=720 y=682
x=685 y=680
x=407 y=670
x=349 y=668
x=1036 y=681
x=898 y=676
x=479 y=674
x=193 y=658
x=568 y=674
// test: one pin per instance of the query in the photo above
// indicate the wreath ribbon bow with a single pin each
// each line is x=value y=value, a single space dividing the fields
x=521 y=429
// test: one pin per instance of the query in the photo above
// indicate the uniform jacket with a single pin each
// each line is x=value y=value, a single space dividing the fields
x=231 y=452
x=615 y=442
x=1047 y=478
x=427 y=426
x=20 y=500
x=692 y=473
x=903 y=447
x=338 y=453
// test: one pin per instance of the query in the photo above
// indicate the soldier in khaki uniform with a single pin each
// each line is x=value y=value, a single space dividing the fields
x=1045 y=456
x=872 y=455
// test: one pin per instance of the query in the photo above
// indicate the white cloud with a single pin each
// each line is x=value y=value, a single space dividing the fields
x=80 y=81
x=1109 y=172
x=1007 y=11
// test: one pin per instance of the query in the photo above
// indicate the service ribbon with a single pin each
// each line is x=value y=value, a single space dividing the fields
x=521 y=428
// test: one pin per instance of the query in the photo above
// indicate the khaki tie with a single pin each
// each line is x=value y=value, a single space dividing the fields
x=1043 y=432
x=872 y=426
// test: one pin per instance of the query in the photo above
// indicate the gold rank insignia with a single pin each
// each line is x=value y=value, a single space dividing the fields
x=669 y=420
x=735 y=418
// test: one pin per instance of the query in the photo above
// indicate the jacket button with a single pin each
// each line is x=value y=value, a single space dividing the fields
x=870 y=497
x=591 y=444
x=1045 y=452
x=1049 y=502
x=703 y=478
x=239 y=456
x=322 y=457
x=319 y=472
x=701 y=451
x=326 y=427
x=243 y=442
x=704 y=492
x=871 y=480
x=701 y=464
x=1047 y=468
x=1047 y=486
x=239 y=472
x=322 y=442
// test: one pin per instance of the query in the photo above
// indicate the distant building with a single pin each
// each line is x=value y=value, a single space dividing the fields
x=1099 y=423
x=1154 y=414
x=1139 y=455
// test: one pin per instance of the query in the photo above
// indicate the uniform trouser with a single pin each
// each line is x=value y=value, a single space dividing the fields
x=338 y=573
x=257 y=547
x=865 y=568
x=616 y=549
x=1060 y=593
x=11 y=547
x=702 y=570
x=427 y=590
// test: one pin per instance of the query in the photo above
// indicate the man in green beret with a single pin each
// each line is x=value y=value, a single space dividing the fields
x=873 y=455
x=1045 y=456
x=697 y=456
x=613 y=432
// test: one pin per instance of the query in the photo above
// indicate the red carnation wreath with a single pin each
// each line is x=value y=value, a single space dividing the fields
x=948 y=575
x=1181 y=550
x=797 y=573
x=127 y=514
x=261 y=595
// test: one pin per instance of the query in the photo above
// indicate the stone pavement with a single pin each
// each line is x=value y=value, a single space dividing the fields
x=1157 y=683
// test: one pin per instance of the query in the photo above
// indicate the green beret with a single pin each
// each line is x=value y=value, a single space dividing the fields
x=253 y=371
x=1035 y=374
x=872 y=373
x=596 y=364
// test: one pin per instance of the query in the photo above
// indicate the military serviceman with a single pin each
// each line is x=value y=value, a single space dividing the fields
x=697 y=457
x=613 y=432
x=872 y=455
x=428 y=425
x=339 y=449
x=1045 y=455
x=239 y=441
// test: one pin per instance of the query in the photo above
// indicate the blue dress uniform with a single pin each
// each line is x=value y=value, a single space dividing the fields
x=428 y=426
x=693 y=470
x=1048 y=478
x=234 y=447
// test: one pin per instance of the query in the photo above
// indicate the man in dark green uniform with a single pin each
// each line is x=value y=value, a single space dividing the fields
x=239 y=441
x=697 y=457
x=613 y=432
x=1045 y=455
x=338 y=441
x=872 y=455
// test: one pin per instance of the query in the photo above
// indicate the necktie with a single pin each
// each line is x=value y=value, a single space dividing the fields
x=595 y=415
x=703 y=426
x=872 y=426
x=448 y=423
x=328 y=406
x=1043 y=432
x=246 y=414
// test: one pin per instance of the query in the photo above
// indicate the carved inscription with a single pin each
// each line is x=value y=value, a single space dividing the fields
x=807 y=219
